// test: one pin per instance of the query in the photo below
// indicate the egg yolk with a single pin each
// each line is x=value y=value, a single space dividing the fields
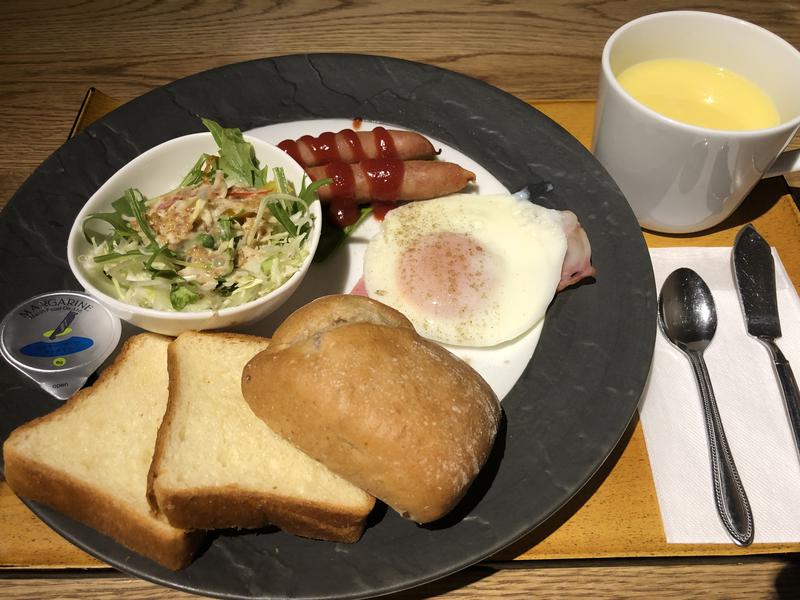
x=446 y=274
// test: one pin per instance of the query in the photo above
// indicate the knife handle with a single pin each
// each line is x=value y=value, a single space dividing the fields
x=791 y=396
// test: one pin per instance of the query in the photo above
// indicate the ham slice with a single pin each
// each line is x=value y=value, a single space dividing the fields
x=578 y=260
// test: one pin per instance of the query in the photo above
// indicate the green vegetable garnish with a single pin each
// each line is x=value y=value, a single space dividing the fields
x=136 y=207
x=279 y=212
x=116 y=219
x=280 y=179
x=181 y=296
x=205 y=164
x=308 y=192
x=163 y=255
x=334 y=236
x=206 y=241
x=237 y=159
x=116 y=255
x=225 y=228
x=231 y=232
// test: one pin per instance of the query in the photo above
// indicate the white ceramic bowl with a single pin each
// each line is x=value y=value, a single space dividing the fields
x=155 y=172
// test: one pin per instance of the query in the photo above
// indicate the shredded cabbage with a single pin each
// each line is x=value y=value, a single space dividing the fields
x=216 y=241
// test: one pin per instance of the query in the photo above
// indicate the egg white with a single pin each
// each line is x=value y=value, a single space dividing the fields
x=501 y=365
x=516 y=250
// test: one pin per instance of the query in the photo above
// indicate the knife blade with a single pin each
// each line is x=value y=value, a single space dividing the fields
x=754 y=274
x=62 y=327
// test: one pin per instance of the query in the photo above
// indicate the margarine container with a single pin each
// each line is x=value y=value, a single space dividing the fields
x=59 y=339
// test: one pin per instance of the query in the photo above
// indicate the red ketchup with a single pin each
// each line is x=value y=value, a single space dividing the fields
x=324 y=148
x=379 y=209
x=290 y=147
x=384 y=179
x=342 y=210
x=353 y=142
x=343 y=213
x=384 y=143
x=343 y=186
x=384 y=175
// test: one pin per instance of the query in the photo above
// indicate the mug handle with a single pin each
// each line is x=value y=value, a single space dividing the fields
x=786 y=162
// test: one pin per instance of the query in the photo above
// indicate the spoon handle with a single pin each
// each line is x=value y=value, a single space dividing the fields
x=732 y=504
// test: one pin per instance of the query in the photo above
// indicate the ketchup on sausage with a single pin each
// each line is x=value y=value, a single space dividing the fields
x=378 y=143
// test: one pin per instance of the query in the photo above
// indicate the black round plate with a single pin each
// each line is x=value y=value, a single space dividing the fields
x=562 y=419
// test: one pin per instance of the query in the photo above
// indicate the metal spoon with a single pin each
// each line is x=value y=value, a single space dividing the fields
x=688 y=318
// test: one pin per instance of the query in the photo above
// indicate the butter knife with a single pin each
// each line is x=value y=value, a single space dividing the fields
x=754 y=273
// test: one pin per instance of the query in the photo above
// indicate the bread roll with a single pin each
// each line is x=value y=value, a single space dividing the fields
x=349 y=382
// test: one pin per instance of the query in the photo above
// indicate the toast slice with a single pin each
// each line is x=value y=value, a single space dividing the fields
x=217 y=465
x=89 y=459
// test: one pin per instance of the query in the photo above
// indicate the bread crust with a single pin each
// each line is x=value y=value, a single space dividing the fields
x=174 y=548
x=232 y=506
x=391 y=412
x=330 y=312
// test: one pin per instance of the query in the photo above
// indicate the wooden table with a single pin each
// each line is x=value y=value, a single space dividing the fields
x=608 y=542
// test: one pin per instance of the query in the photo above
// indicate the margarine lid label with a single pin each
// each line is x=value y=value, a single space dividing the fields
x=59 y=339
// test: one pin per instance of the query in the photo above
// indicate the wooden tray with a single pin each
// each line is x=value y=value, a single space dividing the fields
x=616 y=515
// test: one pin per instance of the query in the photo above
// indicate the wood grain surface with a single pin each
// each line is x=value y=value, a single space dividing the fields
x=756 y=577
x=51 y=52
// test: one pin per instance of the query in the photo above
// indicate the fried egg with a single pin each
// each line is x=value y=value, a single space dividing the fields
x=468 y=270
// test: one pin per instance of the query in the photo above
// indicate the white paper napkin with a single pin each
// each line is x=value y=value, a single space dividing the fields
x=750 y=405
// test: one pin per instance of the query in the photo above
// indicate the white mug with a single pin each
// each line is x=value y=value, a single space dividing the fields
x=680 y=178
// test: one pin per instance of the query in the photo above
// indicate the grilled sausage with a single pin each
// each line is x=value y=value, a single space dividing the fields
x=390 y=180
x=350 y=146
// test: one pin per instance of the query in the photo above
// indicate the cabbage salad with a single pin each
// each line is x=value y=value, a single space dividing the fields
x=226 y=235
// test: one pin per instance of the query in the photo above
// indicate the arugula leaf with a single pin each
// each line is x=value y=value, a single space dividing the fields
x=280 y=179
x=116 y=219
x=365 y=212
x=116 y=255
x=205 y=166
x=237 y=158
x=130 y=205
x=277 y=211
x=181 y=295
x=308 y=192
x=167 y=256
x=164 y=273
x=133 y=201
